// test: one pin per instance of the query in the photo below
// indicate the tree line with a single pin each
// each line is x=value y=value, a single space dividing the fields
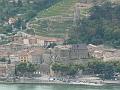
x=104 y=70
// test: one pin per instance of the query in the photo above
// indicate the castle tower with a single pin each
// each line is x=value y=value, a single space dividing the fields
x=76 y=13
x=66 y=37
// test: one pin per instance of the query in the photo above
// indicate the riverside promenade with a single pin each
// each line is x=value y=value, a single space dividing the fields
x=32 y=81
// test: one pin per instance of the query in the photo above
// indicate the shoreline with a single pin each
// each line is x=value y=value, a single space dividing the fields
x=57 y=83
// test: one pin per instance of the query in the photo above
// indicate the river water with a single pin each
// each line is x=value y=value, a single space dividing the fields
x=55 y=87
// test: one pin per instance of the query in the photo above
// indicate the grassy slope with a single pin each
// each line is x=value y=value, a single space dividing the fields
x=61 y=8
x=65 y=9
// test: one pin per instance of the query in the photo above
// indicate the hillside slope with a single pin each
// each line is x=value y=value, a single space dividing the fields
x=56 y=20
x=101 y=27
x=20 y=12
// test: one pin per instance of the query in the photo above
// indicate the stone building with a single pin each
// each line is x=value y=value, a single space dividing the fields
x=7 y=70
x=44 y=69
x=37 y=56
x=111 y=55
x=104 y=53
x=76 y=53
x=79 y=51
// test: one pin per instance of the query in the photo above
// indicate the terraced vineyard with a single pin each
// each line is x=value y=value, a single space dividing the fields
x=56 y=20
x=64 y=8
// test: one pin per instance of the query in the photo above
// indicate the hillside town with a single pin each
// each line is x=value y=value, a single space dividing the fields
x=43 y=52
x=77 y=46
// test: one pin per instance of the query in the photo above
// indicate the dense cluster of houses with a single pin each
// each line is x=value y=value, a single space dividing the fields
x=29 y=48
x=104 y=53
x=26 y=48
x=30 y=40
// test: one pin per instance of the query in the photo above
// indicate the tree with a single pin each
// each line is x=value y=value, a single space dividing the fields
x=25 y=69
x=105 y=69
x=52 y=45
x=3 y=60
x=21 y=68
x=8 y=28
x=97 y=67
x=116 y=65
x=70 y=69
x=31 y=68
x=9 y=61
x=108 y=71
x=18 y=23
x=19 y=3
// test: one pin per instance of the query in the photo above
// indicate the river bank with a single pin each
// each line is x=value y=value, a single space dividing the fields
x=106 y=82
x=55 y=80
x=55 y=87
